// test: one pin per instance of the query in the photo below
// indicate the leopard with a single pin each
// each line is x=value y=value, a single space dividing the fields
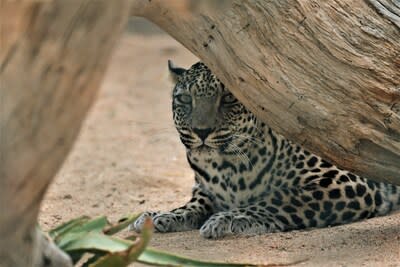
x=249 y=179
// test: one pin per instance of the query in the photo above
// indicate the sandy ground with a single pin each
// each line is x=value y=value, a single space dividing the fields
x=128 y=158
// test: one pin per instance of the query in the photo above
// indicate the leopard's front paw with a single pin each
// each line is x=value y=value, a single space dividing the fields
x=137 y=225
x=163 y=222
x=168 y=222
x=227 y=223
x=217 y=226
x=242 y=224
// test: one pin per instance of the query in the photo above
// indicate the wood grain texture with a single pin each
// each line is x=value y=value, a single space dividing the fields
x=325 y=74
x=52 y=58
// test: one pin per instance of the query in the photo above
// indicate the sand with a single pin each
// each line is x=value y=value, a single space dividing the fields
x=128 y=158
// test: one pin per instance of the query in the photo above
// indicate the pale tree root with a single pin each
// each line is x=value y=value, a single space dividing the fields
x=44 y=252
x=47 y=254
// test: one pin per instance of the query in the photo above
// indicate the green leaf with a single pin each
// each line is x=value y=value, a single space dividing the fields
x=93 y=259
x=160 y=258
x=120 y=225
x=124 y=258
x=93 y=241
x=66 y=227
x=63 y=234
x=118 y=259
x=77 y=255
x=82 y=235
x=110 y=260
x=78 y=229
x=95 y=225
x=144 y=240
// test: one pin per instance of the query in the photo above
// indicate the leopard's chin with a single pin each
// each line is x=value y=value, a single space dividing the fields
x=203 y=148
x=203 y=151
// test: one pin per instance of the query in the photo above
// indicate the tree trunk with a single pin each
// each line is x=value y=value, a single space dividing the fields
x=52 y=58
x=325 y=74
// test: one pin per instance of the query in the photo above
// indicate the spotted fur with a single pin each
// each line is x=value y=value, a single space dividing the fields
x=251 y=180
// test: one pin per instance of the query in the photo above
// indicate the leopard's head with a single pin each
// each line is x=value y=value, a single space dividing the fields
x=206 y=115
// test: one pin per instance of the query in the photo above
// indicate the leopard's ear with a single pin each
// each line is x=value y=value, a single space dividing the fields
x=174 y=71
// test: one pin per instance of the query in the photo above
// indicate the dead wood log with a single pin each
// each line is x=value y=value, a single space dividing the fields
x=325 y=74
x=52 y=58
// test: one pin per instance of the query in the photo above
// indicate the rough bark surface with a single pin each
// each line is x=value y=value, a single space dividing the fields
x=52 y=58
x=325 y=74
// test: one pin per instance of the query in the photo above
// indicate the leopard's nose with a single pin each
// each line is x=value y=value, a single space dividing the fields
x=202 y=133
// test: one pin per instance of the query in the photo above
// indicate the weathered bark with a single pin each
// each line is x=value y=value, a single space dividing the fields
x=325 y=74
x=52 y=58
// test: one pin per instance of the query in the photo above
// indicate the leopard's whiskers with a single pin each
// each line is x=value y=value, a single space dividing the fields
x=249 y=138
x=241 y=154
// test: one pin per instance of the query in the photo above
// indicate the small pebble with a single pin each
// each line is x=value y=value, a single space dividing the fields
x=67 y=196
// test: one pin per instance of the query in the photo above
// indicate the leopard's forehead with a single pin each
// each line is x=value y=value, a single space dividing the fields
x=200 y=82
